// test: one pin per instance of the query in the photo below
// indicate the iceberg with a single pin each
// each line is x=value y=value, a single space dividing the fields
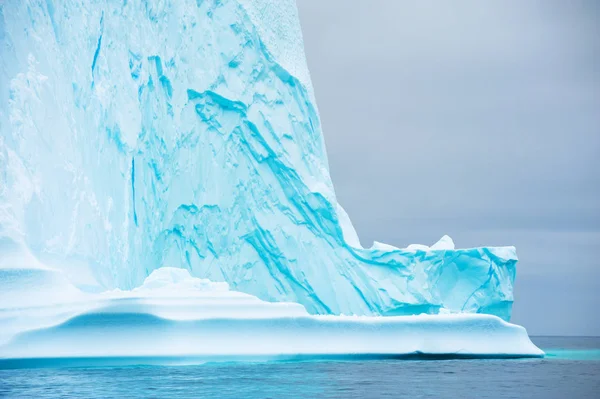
x=137 y=137
x=187 y=134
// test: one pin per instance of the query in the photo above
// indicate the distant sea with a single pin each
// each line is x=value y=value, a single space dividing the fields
x=570 y=370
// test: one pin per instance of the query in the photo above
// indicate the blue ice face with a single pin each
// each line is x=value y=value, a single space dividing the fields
x=185 y=134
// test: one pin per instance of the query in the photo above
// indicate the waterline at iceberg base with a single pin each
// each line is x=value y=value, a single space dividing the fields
x=139 y=138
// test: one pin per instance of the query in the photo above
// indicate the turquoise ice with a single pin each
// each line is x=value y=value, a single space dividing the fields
x=138 y=135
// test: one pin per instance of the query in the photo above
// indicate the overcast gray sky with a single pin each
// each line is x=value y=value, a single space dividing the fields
x=480 y=120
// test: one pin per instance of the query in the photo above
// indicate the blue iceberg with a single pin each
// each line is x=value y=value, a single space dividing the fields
x=135 y=138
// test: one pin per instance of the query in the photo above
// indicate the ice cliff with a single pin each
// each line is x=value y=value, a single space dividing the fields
x=141 y=134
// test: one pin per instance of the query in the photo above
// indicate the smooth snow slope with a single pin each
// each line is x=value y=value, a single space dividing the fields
x=174 y=315
x=136 y=135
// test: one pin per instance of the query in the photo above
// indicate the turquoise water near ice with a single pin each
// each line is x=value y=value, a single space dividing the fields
x=570 y=369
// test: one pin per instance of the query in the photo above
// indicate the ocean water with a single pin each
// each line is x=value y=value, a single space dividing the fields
x=571 y=370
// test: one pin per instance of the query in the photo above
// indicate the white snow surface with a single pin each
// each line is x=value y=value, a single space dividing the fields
x=176 y=315
x=279 y=27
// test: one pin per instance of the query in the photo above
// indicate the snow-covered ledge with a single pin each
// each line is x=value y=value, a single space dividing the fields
x=174 y=315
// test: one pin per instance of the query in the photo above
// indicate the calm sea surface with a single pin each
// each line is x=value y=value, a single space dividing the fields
x=570 y=370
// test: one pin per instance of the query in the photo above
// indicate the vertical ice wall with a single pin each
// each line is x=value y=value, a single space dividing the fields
x=138 y=134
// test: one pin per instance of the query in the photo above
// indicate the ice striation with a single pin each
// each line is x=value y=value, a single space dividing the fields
x=138 y=135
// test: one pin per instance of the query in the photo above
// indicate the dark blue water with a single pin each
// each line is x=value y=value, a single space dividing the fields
x=570 y=370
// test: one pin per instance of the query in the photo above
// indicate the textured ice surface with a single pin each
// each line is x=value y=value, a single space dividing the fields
x=137 y=135
x=175 y=315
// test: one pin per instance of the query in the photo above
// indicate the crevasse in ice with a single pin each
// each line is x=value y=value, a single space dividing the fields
x=136 y=135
